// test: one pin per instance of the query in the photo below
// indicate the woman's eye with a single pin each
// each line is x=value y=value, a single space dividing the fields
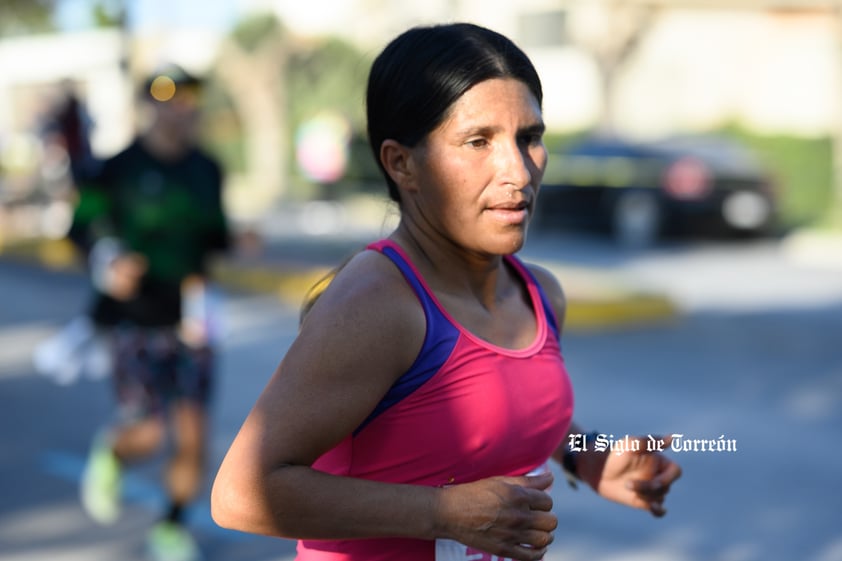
x=477 y=143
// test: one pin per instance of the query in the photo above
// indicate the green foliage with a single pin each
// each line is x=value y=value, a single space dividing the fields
x=222 y=133
x=329 y=75
x=362 y=167
x=326 y=74
x=109 y=13
x=21 y=17
x=557 y=141
x=255 y=30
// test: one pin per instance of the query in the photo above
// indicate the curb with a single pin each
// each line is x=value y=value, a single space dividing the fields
x=593 y=304
x=55 y=255
x=290 y=285
x=633 y=310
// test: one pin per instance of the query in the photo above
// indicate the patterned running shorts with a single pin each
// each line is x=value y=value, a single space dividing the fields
x=154 y=367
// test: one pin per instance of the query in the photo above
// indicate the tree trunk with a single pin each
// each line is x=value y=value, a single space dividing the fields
x=255 y=83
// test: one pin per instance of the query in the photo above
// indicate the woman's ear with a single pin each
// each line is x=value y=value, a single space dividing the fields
x=397 y=161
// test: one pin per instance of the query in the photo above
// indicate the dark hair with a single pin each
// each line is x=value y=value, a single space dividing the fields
x=421 y=73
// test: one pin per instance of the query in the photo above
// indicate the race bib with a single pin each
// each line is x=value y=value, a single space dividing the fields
x=543 y=468
x=449 y=550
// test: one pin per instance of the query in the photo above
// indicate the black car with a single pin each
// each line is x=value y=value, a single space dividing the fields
x=641 y=191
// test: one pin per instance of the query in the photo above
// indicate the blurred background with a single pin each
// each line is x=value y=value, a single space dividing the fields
x=692 y=208
x=285 y=108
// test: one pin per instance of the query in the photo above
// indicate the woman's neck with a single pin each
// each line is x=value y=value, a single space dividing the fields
x=453 y=269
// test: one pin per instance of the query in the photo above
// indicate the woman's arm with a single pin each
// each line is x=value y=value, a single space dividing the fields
x=349 y=351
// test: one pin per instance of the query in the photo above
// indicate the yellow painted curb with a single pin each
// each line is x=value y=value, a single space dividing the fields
x=53 y=254
x=586 y=314
x=290 y=286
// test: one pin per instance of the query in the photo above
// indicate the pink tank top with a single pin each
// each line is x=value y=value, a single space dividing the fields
x=464 y=411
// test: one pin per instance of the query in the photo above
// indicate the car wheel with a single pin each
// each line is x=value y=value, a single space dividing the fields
x=636 y=218
x=746 y=211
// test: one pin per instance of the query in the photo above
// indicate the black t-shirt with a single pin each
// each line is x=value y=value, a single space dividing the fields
x=168 y=211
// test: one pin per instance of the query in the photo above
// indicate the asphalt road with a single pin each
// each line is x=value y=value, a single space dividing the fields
x=756 y=357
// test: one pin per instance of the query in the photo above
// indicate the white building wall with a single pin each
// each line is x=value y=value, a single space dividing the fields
x=697 y=70
x=90 y=59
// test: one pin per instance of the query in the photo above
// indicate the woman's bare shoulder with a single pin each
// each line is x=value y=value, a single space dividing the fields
x=369 y=281
x=368 y=298
x=548 y=281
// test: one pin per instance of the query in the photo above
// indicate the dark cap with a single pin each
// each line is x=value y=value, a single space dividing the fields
x=163 y=84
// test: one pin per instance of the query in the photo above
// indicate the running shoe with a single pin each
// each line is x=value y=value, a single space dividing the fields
x=100 y=486
x=169 y=541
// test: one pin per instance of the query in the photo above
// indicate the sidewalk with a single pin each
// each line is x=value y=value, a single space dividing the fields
x=289 y=265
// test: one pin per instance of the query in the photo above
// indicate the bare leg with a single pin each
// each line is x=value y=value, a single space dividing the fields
x=185 y=472
x=138 y=440
x=169 y=538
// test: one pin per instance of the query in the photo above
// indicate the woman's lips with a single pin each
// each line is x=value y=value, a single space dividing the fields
x=509 y=213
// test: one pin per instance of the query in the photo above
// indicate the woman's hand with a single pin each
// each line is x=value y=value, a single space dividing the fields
x=506 y=516
x=639 y=479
